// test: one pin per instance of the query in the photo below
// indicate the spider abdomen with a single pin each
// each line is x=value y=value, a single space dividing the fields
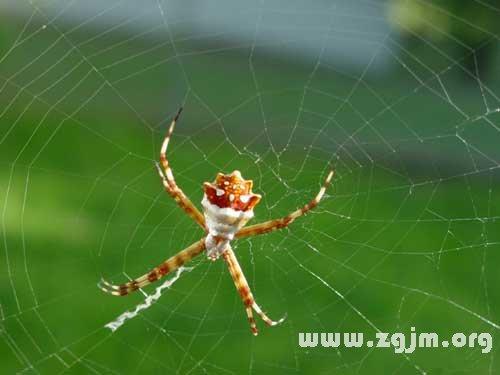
x=228 y=204
x=224 y=222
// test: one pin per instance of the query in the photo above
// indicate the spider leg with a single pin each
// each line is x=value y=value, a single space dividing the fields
x=171 y=264
x=244 y=290
x=283 y=222
x=169 y=181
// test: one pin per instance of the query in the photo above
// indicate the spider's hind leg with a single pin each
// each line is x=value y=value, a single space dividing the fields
x=251 y=320
x=244 y=290
x=265 y=318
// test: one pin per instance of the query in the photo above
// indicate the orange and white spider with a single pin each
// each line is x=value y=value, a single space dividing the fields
x=228 y=204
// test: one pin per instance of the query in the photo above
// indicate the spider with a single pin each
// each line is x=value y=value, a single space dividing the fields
x=228 y=205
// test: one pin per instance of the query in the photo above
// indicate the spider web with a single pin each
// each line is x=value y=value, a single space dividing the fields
x=391 y=94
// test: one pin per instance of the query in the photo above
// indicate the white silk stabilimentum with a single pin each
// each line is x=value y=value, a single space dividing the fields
x=118 y=322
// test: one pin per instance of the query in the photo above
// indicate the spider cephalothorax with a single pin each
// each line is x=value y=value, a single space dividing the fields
x=228 y=204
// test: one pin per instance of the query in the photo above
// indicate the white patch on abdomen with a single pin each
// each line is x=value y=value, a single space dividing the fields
x=224 y=222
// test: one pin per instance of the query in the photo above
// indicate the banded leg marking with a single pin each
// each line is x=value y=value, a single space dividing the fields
x=171 y=264
x=245 y=293
x=169 y=183
x=283 y=222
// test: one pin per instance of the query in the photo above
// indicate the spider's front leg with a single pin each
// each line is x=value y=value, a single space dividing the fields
x=169 y=183
x=244 y=290
x=283 y=222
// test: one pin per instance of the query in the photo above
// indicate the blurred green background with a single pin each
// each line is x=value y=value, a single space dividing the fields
x=400 y=97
